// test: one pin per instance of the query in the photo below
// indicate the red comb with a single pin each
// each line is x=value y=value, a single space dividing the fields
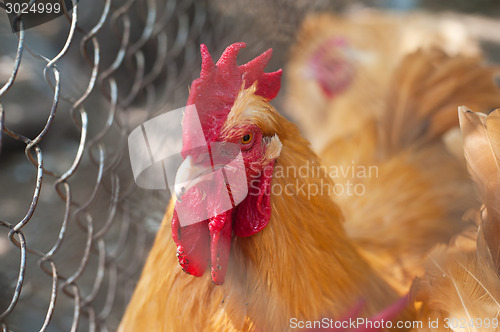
x=215 y=91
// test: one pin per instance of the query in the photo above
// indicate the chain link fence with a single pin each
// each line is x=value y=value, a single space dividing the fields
x=74 y=228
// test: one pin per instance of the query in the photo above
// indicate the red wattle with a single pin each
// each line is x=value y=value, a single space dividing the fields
x=206 y=242
x=254 y=211
x=220 y=245
x=193 y=246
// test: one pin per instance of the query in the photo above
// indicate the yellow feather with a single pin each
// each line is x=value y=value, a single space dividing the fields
x=463 y=280
x=493 y=125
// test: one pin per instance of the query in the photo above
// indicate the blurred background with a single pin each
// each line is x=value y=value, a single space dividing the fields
x=74 y=228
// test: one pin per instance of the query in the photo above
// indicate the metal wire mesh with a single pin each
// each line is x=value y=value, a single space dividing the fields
x=74 y=228
x=92 y=250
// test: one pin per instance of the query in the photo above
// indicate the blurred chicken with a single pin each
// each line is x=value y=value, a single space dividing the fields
x=411 y=191
x=461 y=287
x=341 y=64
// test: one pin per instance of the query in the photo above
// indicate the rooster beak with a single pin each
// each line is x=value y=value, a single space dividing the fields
x=188 y=175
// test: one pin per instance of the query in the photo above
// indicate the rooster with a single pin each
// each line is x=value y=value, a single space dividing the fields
x=272 y=257
x=286 y=250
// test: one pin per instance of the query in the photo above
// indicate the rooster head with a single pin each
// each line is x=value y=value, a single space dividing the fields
x=332 y=66
x=229 y=149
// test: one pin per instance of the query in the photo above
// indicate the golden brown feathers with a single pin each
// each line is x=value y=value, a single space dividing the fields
x=482 y=151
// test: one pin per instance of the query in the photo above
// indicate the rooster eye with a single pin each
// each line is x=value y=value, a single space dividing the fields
x=246 y=139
